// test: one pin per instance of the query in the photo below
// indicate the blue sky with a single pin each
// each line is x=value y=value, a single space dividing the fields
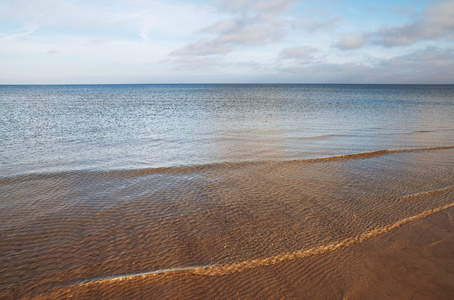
x=231 y=41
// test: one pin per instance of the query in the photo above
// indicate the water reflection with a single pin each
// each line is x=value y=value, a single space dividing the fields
x=49 y=129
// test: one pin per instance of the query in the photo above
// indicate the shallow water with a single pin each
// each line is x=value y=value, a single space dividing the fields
x=217 y=197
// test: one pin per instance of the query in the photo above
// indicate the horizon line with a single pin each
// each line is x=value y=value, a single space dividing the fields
x=215 y=83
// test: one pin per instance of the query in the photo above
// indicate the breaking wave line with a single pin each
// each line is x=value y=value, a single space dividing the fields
x=218 y=270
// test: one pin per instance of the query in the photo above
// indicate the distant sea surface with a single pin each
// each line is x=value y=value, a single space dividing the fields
x=47 y=129
x=107 y=182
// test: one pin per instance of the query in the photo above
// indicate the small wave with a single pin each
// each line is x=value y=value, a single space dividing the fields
x=377 y=153
x=190 y=169
x=429 y=131
x=218 y=270
x=428 y=193
x=123 y=277
x=241 y=266
x=199 y=168
x=321 y=137
x=423 y=131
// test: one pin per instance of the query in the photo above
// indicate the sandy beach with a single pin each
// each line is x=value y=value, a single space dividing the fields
x=375 y=225
x=415 y=261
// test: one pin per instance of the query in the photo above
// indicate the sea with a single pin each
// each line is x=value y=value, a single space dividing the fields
x=101 y=184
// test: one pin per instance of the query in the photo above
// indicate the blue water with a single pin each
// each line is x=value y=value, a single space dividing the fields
x=113 y=127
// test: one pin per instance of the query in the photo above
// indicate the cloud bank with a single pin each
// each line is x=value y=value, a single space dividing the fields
x=435 y=23
x=155 y=41
x=252 y=23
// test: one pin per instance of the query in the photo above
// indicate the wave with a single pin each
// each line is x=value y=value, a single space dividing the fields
x=219 y=270
x=233 y=165
x=375 y=153
x=423 y=131
x=321 y=137
x=228 y=165
x=428 y=193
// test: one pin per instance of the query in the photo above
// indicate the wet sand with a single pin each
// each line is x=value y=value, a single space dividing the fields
x=371 y=225
x=415 y=261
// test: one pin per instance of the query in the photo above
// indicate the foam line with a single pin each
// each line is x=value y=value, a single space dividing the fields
x=241 y=266
x=218 y=270
x=374 y=153
x=189 y=169
x=197 y=168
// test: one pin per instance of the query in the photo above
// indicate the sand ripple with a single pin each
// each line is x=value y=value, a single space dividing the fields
x=76 y=229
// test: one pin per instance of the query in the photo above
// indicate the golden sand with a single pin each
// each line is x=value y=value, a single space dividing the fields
x=376 y=225
x=414 y=261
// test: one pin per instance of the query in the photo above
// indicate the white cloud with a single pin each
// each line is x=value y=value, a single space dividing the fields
x=230 y=40
x=425 y=58
x=202 y=48
x=311 y=24
x=28 y=28
x=221 y=27
x=201 y=64
x=272 y=6
x=436 y=22
x=253 y=23
x=298 y=52
x=117 y=18
x=53 y=51
x=429 y=65
x=353 y=41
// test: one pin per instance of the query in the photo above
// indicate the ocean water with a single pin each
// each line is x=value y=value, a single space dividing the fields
x=46 y=129
x=106 y=182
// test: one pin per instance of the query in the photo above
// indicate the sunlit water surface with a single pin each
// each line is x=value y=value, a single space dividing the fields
x=110 y=127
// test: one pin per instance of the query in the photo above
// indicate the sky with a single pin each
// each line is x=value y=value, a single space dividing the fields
x=226 y=41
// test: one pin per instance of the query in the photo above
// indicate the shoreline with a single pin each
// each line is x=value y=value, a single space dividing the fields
x=414 y=261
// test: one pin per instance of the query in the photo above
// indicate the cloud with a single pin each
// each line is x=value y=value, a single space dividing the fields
x=428 y=58
x=233 y=40
x=28 y=28
x=198 y=64
x=436 y=22
x=255 y=31
x=429 y=65
x=53 y=51
x=327 y=72
x=273 y=6
x=310 y=24
x=298 y=52
x=353 y=41
x=202 y=48
x=117 y=19
x=98 y=41
x=253 y=23
x=403 y=9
